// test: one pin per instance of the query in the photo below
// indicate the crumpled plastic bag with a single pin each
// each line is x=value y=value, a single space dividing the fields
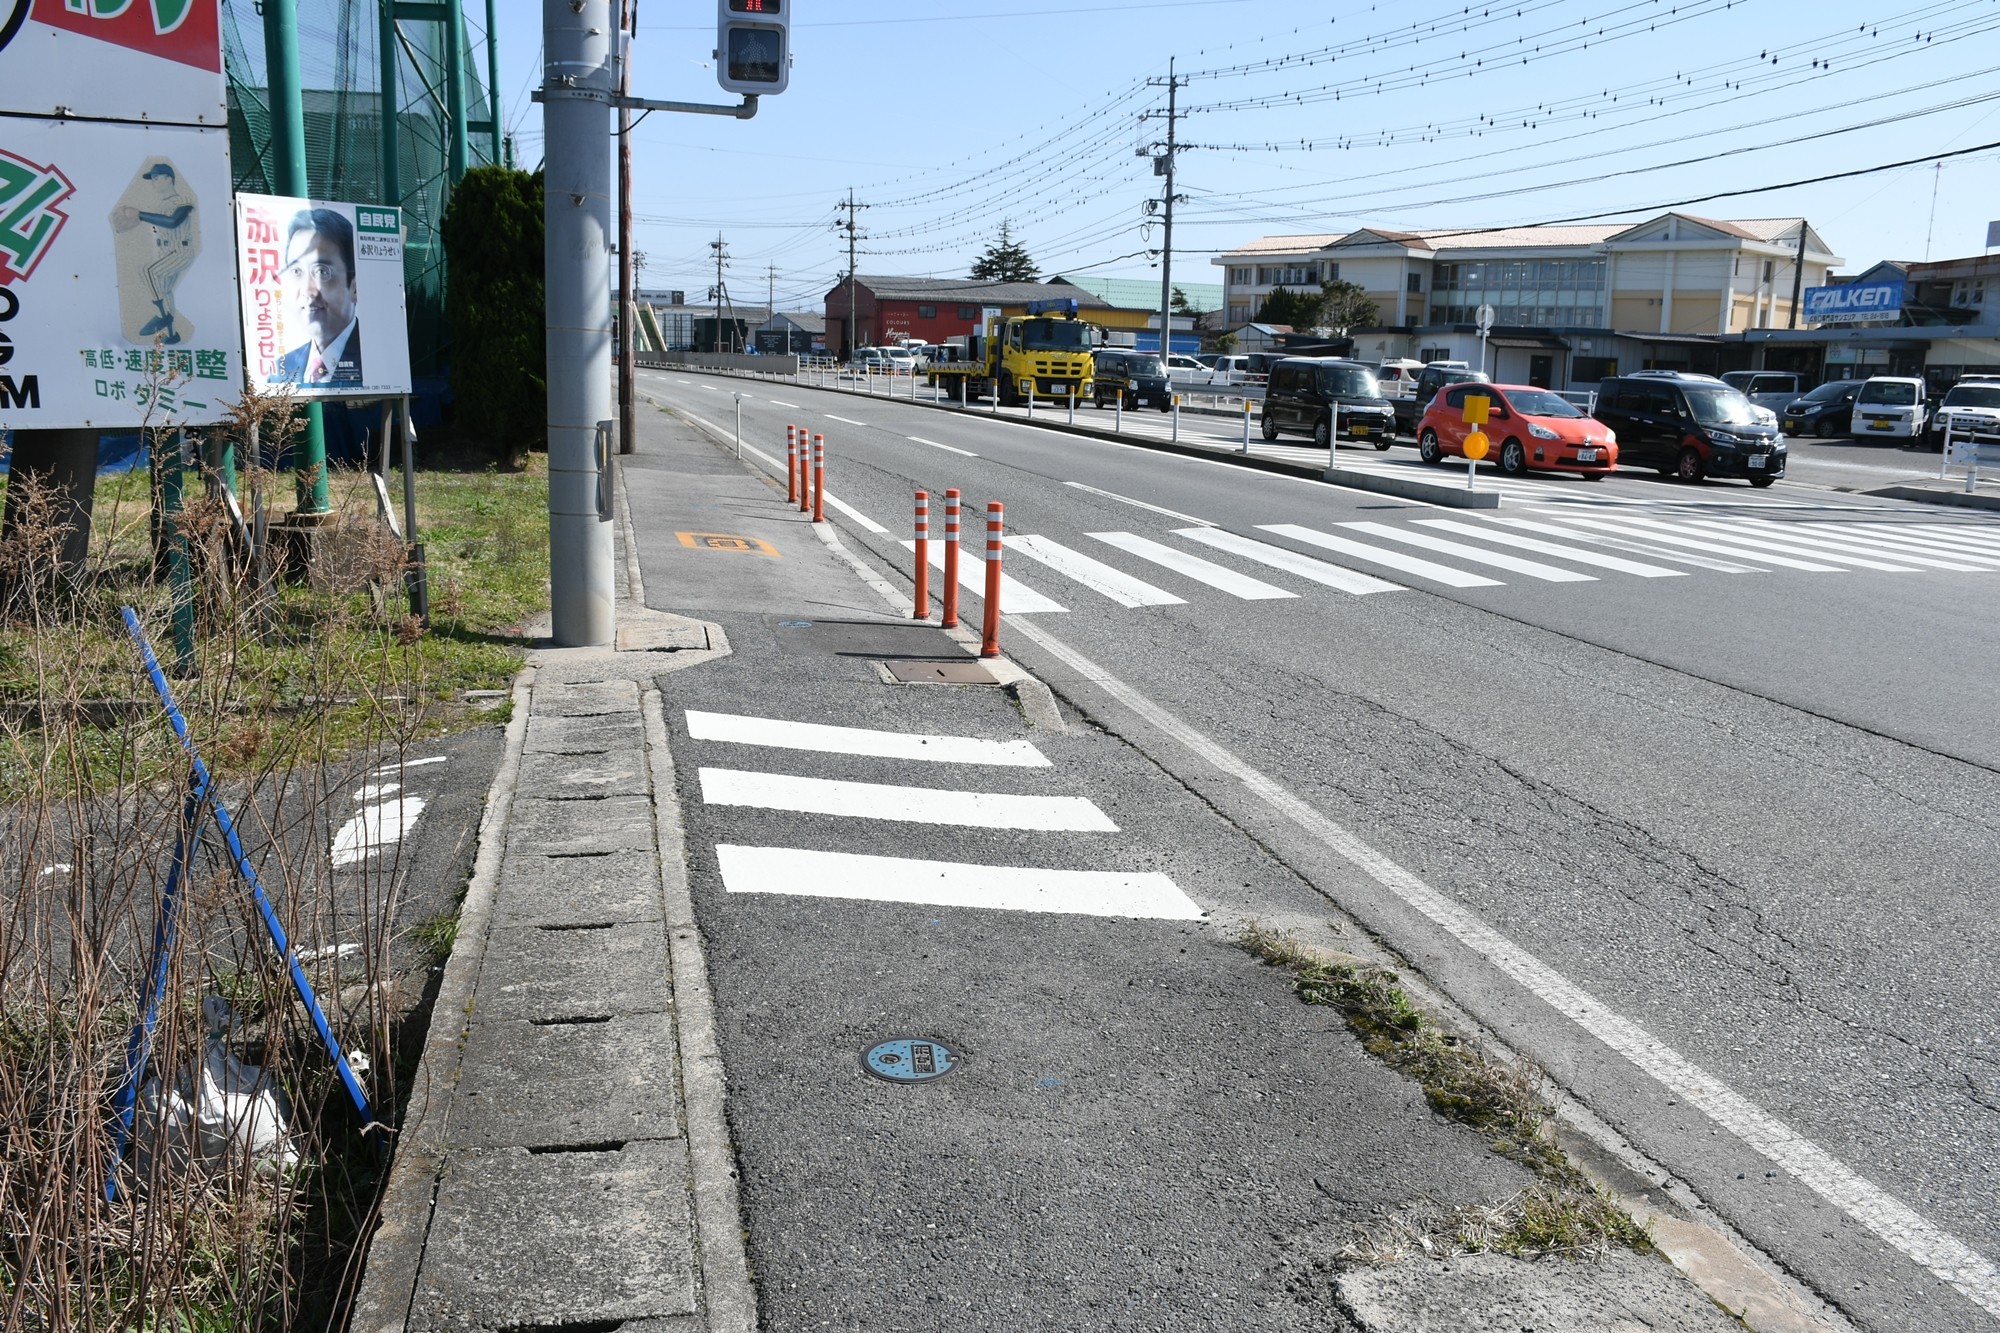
x=228 y=1116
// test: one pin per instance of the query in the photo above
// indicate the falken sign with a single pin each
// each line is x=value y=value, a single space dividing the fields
x=1855 y=303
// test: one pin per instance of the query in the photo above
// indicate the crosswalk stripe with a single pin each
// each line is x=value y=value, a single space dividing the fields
x=740 y=729
x=1534 y=569
x=907 y=805
x=1901 y=543
x=1660 y=532
x=1813 y=536
x=1731 y=531
x=1407 y=564
x=1904 y=535
x=1622 y=544
x=1099 y=577
x=1577 y=554
x=1978 y=539
x=1194 y=567
x=798 y=871
x=1319 y=571
x=1016 y=597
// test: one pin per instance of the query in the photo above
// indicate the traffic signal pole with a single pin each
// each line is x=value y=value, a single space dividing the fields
x=578 y=88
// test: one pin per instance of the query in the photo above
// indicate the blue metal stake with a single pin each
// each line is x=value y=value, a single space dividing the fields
x=203 y=790
x=139 y=1048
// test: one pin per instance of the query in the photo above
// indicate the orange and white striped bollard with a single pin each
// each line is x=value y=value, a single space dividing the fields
x=950 y=618
x=989 y=640
x=791 y=465
x=819 y=478
x=923 y=606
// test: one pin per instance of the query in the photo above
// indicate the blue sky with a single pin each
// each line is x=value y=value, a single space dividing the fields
x=947 y=115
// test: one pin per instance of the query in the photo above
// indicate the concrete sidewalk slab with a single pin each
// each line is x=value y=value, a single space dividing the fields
x=539 y=974
x=593 y=1251
x=603 y=1079
x=579 y=890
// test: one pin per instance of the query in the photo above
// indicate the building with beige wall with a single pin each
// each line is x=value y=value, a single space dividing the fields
x=1574 y=302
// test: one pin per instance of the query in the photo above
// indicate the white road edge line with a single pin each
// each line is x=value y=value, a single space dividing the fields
x=845 y=421
x=794 y=406
x=831 y=498
x=1943 y=1254
x=948 y=448
x=1141 y=504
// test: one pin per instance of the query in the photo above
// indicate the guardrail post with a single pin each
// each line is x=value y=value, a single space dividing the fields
x=1944 y=456
x=993 y=397
x=1177 y=418
x=1031 y=397
x=1246 y=428
x=1072 y=407
x=989 y=639
x=819 y=478
x=1118 y=414
x=950 y=618
x=923 y=606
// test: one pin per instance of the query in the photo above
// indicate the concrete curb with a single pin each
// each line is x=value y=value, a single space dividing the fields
x=395 y=1251
x=728 y=1296
x=1430 y=492
x=1937 y=496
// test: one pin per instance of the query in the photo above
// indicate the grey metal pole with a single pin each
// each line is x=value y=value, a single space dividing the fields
x=458 y=149
x=576 y=117
x=493 y=83
x=628 y=309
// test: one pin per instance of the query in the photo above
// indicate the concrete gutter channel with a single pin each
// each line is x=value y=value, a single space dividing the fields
x=565 y=1161
x=1947 y=493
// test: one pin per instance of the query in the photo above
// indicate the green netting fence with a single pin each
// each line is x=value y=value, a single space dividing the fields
x=340 y=70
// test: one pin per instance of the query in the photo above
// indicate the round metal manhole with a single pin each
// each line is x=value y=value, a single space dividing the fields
x=909 y=1059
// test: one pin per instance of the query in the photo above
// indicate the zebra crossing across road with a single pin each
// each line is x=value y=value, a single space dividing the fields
x=1536 y=547
x=886 y=808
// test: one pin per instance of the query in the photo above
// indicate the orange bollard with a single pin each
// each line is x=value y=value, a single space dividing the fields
x=791 y=465
x=819 y=478
x=950 y=620
x=923 y=608
x=989 y=642
x=805 y=471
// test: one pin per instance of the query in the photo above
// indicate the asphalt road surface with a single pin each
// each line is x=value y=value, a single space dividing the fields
x=1688 y=792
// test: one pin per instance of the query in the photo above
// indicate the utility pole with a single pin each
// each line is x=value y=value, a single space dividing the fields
x=1165 y=166
x=853 y=297
x=627 y=309
x=578 y=87
x=721 y=256
x=1798 y=278
x=771 y=299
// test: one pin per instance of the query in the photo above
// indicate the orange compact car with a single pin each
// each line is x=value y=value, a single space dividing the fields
x=1529 y=429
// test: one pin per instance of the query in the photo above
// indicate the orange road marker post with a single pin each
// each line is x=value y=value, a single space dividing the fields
x=950 y=618
x=819 y=478
x=923 y=606
x=989 y=641
x=1478 y=410
x=791 y=465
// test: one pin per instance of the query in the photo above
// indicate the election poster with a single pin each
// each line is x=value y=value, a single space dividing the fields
x=117 y=291
x=323 y=308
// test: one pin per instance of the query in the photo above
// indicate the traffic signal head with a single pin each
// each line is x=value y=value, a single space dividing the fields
x=752 y=46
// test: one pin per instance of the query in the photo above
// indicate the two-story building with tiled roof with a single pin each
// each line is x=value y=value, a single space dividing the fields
x=1571 y=304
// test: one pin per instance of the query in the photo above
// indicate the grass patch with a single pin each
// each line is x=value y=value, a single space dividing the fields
x=1565 y=1213
x=329 y=664
x=438 y=936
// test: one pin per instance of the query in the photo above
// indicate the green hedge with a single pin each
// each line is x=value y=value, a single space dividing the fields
x=494 y=305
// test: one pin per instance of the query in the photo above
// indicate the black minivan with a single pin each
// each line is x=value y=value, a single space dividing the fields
x=1305 y=392
x=1134 y=378
x=1689 y=426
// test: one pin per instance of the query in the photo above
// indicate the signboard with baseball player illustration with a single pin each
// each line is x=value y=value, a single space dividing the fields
x=323 y=297
x=114 y=311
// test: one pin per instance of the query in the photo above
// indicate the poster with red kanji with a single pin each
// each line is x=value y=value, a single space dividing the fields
x=323 y=301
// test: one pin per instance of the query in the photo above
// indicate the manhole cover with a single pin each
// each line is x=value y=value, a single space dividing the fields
x=962 y=672
x=909 y=1059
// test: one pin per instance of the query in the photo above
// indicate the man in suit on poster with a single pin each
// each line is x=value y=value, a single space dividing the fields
x=320 y=289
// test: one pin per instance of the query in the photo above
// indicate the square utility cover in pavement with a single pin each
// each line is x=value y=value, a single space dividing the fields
x=962 y=671
x=547 y=1240
x=865 y=638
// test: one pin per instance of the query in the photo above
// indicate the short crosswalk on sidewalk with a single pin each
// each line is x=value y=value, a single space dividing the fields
x=823 y=872
x=1542 y=546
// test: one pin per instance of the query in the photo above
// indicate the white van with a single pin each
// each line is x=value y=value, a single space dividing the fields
x=1889 y=407
x=1398 y=377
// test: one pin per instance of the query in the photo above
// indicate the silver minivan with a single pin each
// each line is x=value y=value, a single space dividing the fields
x=1889 y=407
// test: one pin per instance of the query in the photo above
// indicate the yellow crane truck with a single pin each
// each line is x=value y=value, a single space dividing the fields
x=1049 y=348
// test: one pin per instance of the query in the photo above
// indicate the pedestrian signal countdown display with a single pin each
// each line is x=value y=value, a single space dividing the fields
x=752 y=46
